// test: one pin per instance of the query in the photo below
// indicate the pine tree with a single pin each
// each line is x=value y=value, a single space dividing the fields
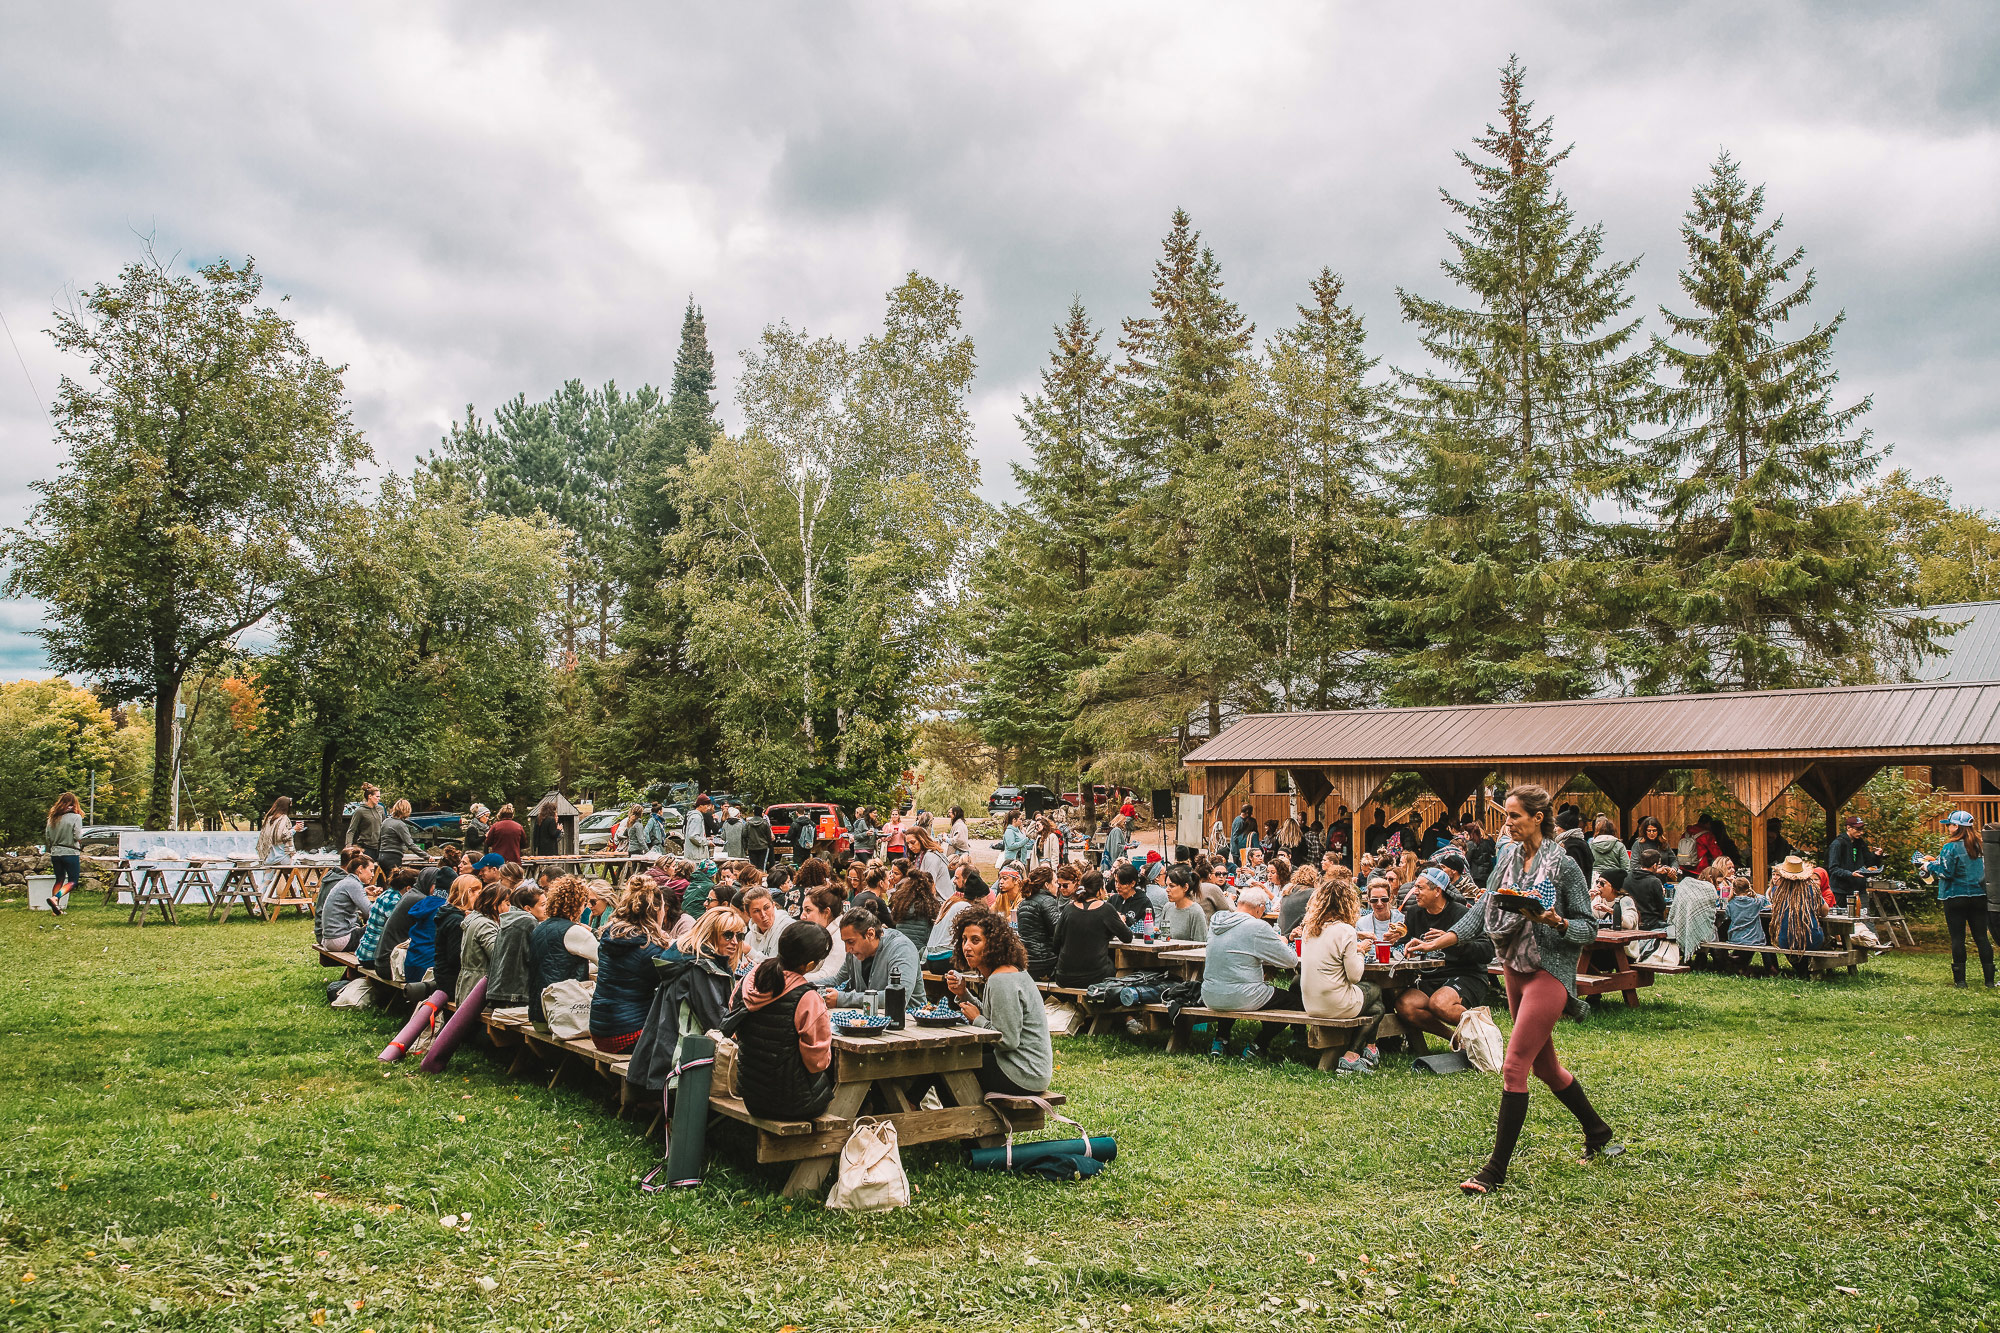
x=1515 y=436
x=1775 y=574
x=655 y=702
x=1040 y=580
x=1180 y=365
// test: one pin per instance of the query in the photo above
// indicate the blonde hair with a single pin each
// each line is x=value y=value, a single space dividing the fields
x=1305 y=877
x=400 y=810
x=464 y=890
x=713 y=922
x=1334 y=900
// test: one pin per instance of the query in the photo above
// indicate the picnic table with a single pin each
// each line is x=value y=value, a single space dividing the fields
x=613 y=869
x=876 y=1075
x=1884 y=904
x=1145 y=955
x=1838 y=950
x=1606 y=967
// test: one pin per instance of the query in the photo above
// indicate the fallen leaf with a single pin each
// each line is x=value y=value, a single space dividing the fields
x=1848 y=1291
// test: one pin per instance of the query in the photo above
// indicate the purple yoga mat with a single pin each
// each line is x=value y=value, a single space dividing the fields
x=463 y=1020
x=427 y=1010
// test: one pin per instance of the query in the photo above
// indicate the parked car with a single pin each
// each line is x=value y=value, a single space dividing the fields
x=439 y=828
x=1103 y=795
x=593 y=832
x=1030 y=799
x=782 y=818
x=106 y=833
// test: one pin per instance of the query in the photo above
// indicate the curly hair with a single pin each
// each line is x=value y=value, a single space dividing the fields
x=813 y=873
x=567 y=897
x=1003 y=945
x=1305 y=877
x=914 y=898
x=1334 y=900
x=643 y=911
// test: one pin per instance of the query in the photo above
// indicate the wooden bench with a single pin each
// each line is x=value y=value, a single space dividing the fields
x=1182 y=1037
x=825 y=1135
x=349 y=964
x=1661 y=969
x=1819 y=962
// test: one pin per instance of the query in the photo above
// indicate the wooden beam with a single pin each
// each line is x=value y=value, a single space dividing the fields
x=1217 y=781
x=1988 y=769
x=1312 y=788
x=1355 y=785
x=1553 y=777
x=1626 y=785
x=1833 y=784
x=1758 y=783
x=1452 y=785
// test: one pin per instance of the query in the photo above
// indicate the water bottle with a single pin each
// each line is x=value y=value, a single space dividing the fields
x=1149 y=928
x=895 y=1001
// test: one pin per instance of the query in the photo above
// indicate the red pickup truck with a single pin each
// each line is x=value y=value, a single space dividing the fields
x=784 y=817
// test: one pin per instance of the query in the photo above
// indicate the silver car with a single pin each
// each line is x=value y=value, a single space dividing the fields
x=593 y=832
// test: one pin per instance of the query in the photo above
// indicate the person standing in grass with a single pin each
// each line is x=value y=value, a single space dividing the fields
x=1538 y=949
x=364 y=827
x=397 y=839
x=64 y=838
x=1961 y=891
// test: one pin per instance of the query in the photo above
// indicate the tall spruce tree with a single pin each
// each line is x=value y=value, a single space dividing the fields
x=1514 y=436
x=1040 y=580
x=1775 y=573
x=1181 y=362
x=654 y=698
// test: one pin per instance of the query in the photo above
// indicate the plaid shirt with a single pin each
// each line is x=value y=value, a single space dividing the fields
x=378 y=917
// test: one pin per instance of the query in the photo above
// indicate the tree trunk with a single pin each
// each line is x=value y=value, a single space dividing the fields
x=326 y=804
x=166 y=693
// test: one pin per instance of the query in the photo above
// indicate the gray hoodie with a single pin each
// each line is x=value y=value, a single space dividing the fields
x=895 y=963
x=1239 y=948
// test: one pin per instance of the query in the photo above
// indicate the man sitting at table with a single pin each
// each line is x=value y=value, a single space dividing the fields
x=1381 y=921
x=876 y=960
x=1647 y=891
x=1439 y=999
x=1241 y=944
x=1184 y=918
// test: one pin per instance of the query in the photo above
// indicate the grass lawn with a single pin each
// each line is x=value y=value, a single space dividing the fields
x=195 y=1140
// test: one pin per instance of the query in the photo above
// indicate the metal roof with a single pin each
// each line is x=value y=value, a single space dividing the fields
x=1970 y=654
x=1910 y=720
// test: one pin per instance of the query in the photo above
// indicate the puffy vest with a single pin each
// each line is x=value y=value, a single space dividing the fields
x=771 y=1075
x=549 y=962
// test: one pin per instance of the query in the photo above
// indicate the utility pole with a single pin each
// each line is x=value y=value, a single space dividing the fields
x=174 y=796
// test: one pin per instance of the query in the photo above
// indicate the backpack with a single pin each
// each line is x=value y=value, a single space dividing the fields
x=1686 y=852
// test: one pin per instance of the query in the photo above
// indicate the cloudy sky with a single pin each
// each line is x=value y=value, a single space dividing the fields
x=465 y=201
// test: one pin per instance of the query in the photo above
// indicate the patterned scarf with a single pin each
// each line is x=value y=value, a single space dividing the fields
x=1511 y=932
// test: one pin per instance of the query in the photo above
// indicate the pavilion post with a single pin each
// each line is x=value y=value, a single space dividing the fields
x=1760 y=852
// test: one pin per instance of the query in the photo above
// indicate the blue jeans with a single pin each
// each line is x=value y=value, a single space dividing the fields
x=67 y=869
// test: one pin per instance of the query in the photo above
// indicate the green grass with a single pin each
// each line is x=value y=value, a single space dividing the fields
x=195 y=1140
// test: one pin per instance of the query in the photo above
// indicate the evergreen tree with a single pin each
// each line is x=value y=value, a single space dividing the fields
x=1514 y=436
x=1039 y=582
x=1290 y=514
x=654 y=700
x=1180 y=364
x=1775 y=575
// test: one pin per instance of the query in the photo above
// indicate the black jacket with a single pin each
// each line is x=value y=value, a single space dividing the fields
x=771 y=1075
x=549 y=962
x=626 y=980
x=450 y=949
x=702 y=984
x=1036 y=921
x=1578 y=848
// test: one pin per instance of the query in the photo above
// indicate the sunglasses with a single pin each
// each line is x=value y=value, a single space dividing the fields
x=735 y=936
x=1378 y=901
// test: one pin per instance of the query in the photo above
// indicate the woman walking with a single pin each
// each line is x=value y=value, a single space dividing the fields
x=274 y=839
x=1961 y=880
x=1538 y=949
x=64 y=839
x=398 y=839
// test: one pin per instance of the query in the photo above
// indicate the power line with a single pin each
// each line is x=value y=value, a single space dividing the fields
x=24 y=367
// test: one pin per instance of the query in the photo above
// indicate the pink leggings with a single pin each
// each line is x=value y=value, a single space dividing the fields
x=1537 y=1000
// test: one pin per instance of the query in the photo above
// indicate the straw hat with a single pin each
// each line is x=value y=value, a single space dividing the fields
x=1793 y=867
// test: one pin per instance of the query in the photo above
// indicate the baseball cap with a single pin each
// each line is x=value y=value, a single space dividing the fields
x=1959 y=819
x=491 y=859
x=1451 y=859
x=1436 y=876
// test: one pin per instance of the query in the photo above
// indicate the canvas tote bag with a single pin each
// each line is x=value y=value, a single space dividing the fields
x=871 y=1170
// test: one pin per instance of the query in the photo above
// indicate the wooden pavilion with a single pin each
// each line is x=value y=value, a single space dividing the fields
x=1828 y=742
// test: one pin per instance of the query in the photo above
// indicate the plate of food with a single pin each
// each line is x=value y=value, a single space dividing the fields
x=854 y=1023
x=941 y=1016
x=1540 y=898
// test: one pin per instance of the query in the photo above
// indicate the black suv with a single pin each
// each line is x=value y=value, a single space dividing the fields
x=1030 y=800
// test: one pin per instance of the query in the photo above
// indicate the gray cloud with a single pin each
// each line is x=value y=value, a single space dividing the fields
x=467 y=201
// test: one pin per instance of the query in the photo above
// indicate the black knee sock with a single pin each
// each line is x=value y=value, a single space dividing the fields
x=1595 y=1132
x=1513 y=1114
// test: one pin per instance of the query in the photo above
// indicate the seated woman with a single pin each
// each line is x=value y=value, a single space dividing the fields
x=784 y=1043
x=561 y=948
x=508 y=972
x=914 y=908
x=1608 y=903
x=1006 y=999
x=696 y=977
x=396 y=926
x=448 y=927
x=1084 y=933
x=626 y=973
x=380 y=909
x=1439 y=999
x=822 y=907
x=342 y=913
x=1691 y=918
x=1332 y=963
x=477 y=936
x=1184 y=918
x=1796 y=909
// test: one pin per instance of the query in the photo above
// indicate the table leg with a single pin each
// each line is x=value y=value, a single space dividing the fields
x=810 y=1174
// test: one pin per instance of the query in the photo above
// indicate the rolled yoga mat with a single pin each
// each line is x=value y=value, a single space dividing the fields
x=1028 y=1155
x=687 y=1131
x=463 y=1019
x=427 y=1011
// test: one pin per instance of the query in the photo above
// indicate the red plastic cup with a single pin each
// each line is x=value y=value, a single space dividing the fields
x=1382 y=952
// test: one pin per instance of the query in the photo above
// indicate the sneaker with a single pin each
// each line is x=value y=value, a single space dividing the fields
x=55 y=907
x=1350 y=1064
x=1217 y=1049
x=1371 y=1055
x=1135 y=1027
x=1251 y=1052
